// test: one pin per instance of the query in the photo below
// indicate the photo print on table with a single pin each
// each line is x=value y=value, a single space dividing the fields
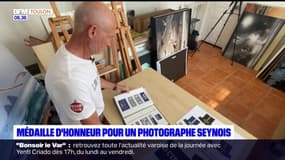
x=124 y=105
x=152 y=119
x=207 y=119
x=145 y=121
x=138 y=99
x=158 y=116
x=143 y=95
x=191 y=121
x=132 y=101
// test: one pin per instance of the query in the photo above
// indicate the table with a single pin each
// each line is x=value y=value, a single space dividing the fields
x=171 y=100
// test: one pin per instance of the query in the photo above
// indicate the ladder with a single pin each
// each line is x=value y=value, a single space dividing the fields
x=59 y=23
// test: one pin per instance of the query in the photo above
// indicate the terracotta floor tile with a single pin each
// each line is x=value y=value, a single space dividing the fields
x=243 y=75
x=220 y=94
x=196 y=72
x=269 y=112
x=210 y=102
x=259 y=126
x=235 y=112
x=193 y=61
x=234 y=83
x=214 y=77
x=233 y=91
x=206 y=67
x=277 y=93
x=274 y=101
x=249 y=98
x=258 y=85
x=193 y=91
x=227 y=67
x=200 y=86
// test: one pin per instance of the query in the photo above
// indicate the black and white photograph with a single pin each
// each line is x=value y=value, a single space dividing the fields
x=191 y=121
x=145 y=121
x=171 y=33
x=138 y=99
x=253 y=34
x=152 y=120
x=276 y=77
x=207 y=119
x=132 y=101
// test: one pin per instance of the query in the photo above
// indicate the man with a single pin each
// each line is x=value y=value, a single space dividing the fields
x=72 y=79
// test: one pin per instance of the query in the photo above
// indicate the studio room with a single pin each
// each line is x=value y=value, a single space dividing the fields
x=144 y=63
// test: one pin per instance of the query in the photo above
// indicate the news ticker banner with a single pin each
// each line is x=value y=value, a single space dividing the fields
x=122 y=132
x=143 y=149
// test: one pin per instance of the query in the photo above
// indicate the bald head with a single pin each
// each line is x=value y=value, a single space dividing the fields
x=93 y=13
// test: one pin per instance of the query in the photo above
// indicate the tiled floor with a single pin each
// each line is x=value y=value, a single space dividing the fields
x=234 y=91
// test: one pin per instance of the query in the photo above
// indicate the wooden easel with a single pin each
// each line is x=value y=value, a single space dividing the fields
x=60 y=38
x=60 y=21
x=124 y=40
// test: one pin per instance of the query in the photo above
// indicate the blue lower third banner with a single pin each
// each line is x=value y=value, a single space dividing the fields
x=143 y=149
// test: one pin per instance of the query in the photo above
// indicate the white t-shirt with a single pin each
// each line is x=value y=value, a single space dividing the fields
x=74 y=87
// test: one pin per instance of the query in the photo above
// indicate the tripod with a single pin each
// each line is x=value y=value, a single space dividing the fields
x=232 y=8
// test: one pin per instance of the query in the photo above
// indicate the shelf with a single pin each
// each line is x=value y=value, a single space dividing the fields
x=106 y=70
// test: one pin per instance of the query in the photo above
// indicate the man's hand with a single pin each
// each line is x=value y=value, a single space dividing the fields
x=121 y=88
x=115 y=86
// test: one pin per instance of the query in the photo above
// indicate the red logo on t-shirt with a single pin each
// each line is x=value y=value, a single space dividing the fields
x=76 y=107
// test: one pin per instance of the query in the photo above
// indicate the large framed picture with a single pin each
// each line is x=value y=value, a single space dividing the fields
x=23 y=99
x=253 y=35
x=169 y=33
x=276 y=77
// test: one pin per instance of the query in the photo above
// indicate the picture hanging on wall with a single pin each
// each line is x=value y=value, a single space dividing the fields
x=169 y=32
x=253 y=34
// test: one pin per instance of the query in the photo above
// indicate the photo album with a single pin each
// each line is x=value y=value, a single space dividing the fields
x=137 y=108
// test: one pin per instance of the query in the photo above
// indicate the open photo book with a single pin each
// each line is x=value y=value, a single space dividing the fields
x=137 y=108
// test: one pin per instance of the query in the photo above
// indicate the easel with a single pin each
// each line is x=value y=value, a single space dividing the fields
x=103 y=70
x=60 y=21
x=124 y=39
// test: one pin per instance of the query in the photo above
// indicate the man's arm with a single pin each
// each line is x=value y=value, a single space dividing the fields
x=93 y=119
x=114 y=86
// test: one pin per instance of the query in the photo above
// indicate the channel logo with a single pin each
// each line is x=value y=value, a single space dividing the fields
x=23 y=14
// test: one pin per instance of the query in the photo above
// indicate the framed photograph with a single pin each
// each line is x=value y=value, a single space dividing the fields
x=169 y=33
x=253 y=34
x=276 y=77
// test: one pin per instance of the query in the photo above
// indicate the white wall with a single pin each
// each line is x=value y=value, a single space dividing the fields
x=13 y=33
x=146 y=7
